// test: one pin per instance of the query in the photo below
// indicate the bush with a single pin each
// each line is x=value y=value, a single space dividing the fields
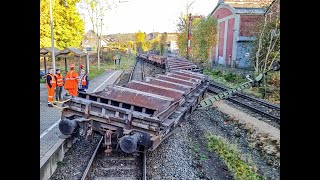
x=230 y=77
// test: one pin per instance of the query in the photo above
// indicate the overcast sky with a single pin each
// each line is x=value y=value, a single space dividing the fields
x=150 y=15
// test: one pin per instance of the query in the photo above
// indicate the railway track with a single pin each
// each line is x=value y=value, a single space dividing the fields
x=261 y=107
x=117 y=166
x=137 y=72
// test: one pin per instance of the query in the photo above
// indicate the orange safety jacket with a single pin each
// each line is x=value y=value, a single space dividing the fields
x=53 y=82
x=71 y=80
x=59 y=80
x=83 y=80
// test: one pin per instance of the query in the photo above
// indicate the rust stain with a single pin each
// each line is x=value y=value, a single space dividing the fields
x=175 y=80
x=169 y=84
x=138 y=98
x=149 y=88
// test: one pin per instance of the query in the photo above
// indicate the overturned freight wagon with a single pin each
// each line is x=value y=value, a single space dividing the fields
x=174 y=64
x=140 y=115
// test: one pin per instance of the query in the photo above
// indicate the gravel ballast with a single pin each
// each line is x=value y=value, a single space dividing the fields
x=76 y=159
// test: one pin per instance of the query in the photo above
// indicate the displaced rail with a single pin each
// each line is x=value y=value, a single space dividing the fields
x=256 y=105
x=88 y=168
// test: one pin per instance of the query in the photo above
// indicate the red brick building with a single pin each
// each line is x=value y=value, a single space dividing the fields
x=236 y=22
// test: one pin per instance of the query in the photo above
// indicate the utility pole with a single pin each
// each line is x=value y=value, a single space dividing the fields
x=98 y=47
x=52 y=40
x=189 y=34
x=99 y=44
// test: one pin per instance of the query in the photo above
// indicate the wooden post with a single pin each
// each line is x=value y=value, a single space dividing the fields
x=79 y=64
x=65 y=63
x=45 y=65
x=87 y=64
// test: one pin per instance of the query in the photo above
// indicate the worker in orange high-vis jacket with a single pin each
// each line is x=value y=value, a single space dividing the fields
x=71 y=81
x=51 y=85
x=83 y=81
x=59 y=87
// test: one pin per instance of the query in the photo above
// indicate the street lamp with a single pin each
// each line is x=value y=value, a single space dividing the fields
x=52 y=40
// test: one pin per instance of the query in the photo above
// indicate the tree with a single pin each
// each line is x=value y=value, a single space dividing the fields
x=182 y=28
x=96 y=12
x=140 y=40
x=68 y=26
x=205 y=37
x=163 y=43
x=266 y=48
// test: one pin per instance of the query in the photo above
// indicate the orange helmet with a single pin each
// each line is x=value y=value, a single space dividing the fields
x=72 y=65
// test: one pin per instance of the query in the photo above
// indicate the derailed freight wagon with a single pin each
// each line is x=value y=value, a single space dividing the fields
x=140 y=115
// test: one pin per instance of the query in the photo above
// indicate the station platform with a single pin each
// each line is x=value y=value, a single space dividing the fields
x=50 y=117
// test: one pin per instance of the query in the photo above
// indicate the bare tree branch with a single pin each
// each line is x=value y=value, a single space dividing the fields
x=274 y=59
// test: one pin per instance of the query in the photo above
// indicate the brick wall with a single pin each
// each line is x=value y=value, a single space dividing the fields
x=248 y=24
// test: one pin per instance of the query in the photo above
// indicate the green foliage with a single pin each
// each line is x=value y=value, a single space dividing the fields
x=68 y=26
x=229 y=79
x=163 y=43
x=203 y=36
x=182 y=41
x=140 y=40
x=203 y=157
x=232 y=80
x=240 y=169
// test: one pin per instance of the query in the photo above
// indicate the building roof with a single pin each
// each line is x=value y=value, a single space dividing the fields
x=94 y=34
x=272 y=5
x=248 y=3
x=75 y=51
x=246 y=6
x=46 y=50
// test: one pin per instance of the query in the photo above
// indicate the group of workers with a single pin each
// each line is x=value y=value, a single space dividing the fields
x=72 y=82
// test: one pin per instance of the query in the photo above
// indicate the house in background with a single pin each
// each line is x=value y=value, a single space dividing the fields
x=172 y=42
x=90 y=39
x=236 y=22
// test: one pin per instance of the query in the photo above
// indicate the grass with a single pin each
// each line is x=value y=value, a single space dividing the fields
x=203 y=157
x=126 y=63
x=228 y=79
x=231 y=80
x=232 y=158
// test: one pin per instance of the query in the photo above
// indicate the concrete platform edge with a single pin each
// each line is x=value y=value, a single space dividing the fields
x=48 y=163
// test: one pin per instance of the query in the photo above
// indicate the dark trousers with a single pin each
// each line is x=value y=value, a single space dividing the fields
x=58 y=93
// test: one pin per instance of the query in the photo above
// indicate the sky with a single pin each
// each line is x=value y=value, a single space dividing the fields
x=150 y=15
